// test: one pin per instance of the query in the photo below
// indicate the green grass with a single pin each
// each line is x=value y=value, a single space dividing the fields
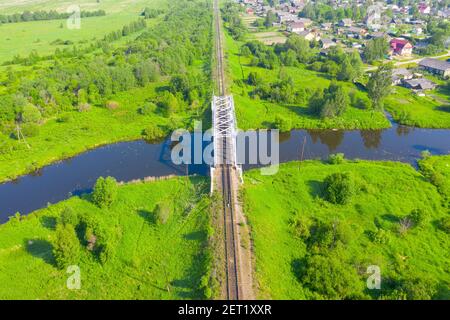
x=148 y=256
x=431 y=111
x=391 y=191
x=253 y=114
x=24 y=37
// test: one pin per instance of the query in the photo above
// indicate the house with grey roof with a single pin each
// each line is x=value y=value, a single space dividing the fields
x=436 y=66
x=420 y=84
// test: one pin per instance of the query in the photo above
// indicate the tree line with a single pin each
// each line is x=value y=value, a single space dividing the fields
x=45 y=15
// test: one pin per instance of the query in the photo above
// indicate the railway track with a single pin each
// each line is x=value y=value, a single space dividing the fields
x=232 y=281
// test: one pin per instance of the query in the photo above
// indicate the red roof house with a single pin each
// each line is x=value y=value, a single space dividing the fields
x=401 y=47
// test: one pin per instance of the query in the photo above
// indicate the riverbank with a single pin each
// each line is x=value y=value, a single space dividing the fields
x=82 y=131
x=151 y=260
x=369 y=230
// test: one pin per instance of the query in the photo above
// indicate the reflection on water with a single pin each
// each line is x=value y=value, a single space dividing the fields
x=133 y=160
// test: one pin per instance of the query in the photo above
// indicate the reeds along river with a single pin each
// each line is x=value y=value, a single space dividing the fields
x=135 y=160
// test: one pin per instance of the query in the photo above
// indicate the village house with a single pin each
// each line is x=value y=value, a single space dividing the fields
x=424 y=8
x=295 y=27
x=327 y=43
x=309 y=35
x=307 y=22
x=401 y=47
x=420 y=84
x=326 y=26
x=346 y=23
x=400 y=75
x=355 y=32
x=436 y=66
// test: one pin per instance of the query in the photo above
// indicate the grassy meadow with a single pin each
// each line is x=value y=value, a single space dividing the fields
x=151 y=260
x=431 y=111
x=387 y=192
x=24 y=37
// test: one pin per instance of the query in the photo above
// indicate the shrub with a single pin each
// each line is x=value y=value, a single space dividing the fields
x=30 y=114
x=419 y=288
x=379 y=236
x=153 y=132
x=5 y=144
x=444 y=224
x=330 y=278
x=147 y=109
x=107 y=252
x=112 y=105
x=339 y=188
x=283 y=124
x=69 y=216
x=162 y=213
x=65 y=118
x=84 y=107
x=301 y=227
x=418 y=217
x=66 y=247
x=337 y=158
x=105 y=192
x=30 y=130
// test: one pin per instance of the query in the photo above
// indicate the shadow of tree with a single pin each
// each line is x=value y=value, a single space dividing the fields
x=148 y=216
x=315 y=188
x=196 y=235
x=40 y=248
x=48 y=222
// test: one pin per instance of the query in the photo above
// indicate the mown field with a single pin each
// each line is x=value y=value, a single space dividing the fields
x=24 y=37
x=151 y=260
x=414 y=263
x=254 y=113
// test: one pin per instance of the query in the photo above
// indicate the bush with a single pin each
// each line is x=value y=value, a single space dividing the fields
x=301 y=227
x=69 y=216
x=66 y=247
x=107 y=252
x=30 y=114
x=153 y=132
x=330 y=278
x=65 y=118
x=162 y=213
x=337 y=158
x=105 y=192
x=84 y=107
x=112 y=105
x=283 y=124
x=339 y=188
x=30 y=130
x=5 y=144
x=444 y=224
x=147 y=109
x=418 y=217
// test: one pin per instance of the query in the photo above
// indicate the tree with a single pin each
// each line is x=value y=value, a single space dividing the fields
x=68 y=216
x=162 y=213
x=419 y=288
x=379 y=85
x=339 y=188
x=270 y=19
x=376 y=49
x=328 y=277
x=66 y=246
x=105 y=192
x=30 y=114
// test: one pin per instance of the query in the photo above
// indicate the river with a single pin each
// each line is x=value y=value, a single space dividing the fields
x=137 y=159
